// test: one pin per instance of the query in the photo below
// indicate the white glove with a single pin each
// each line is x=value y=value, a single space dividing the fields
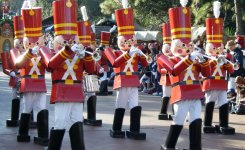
x=222 y=59
x=35 y=50
x=101 y=70
x=12 y=74
x=81 y=53
x=75 y=48
x=133 y=50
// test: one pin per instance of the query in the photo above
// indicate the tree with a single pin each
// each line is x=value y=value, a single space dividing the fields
x=239 y=23
x=150 y=14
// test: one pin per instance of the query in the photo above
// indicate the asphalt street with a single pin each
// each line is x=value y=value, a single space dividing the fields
x=97 y=138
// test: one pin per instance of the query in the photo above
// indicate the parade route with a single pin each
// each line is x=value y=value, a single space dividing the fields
x=97 y=138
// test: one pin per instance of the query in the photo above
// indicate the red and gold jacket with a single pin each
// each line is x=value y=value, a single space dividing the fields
x=165 y=79
x=67 y=74
x=8 y=67
x=125 y=68
x=103 y=61
x=185 y=76
x=32 y=71
x=216 y=80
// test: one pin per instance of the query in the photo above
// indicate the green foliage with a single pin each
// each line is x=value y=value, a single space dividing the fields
x=109 y=6
x=2 y=21
x=152 y=13
x=229 y=31
x=200 y=13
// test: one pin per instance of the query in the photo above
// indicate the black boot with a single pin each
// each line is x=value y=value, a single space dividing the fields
x=42 y=128
x=223 y=127
x=172 y=138
x=195 y=135
x=23 y=135
x=104 y=87
x=208 y=117
x=15 y=110
x=33 y=124
x=134 y=132
x=76 y=136
x=55 y=141
x=163 y=113
x=91 y=108
x=116 y=131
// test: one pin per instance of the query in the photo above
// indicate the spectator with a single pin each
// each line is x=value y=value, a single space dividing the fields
x=237 y=58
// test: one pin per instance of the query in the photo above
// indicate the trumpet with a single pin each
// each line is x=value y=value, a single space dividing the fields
x=147 y=57
x=220 y=60
x=95 y=55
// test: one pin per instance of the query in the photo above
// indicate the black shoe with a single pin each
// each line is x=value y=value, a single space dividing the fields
x=55 y=141
x=223 y=127
x=76 y=136
x=42 y=128
x=172 y=137
x=15 y=110
x=208 y=117
x=134 y=131
x=116 y=131
x=91 y=109
x=23 y=134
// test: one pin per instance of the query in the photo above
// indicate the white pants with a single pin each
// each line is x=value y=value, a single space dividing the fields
x=218 y=96
x=35 y=101
x=66 y=114
x=127 y=95
x=182 y=108
x=89 y=94
x=14 y=92
x=166 y=91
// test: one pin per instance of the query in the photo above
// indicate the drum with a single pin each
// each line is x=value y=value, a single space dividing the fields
x=91 y=83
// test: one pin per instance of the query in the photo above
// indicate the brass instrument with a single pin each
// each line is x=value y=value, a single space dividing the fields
x=95 y=55
x=220 y=60
x=148 y=58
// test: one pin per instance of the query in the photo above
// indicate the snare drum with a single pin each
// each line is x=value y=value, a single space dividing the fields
x=91 y=83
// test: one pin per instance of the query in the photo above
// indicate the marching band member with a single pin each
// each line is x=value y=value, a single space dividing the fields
x=8 y=69
x=215 y=86
x=165 y=80
x=125 y=64
x=104 y=43
x=84 y=34
x=185 y=71
x=32 y=75
x=67 y=67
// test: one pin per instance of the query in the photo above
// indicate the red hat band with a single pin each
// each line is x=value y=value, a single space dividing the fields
x=166 y=33
x=32 y=20
x=18 y=27
x=84 y=32
x=125 y=22
x=214 y=31
x=65 y=17
x=105 y=38
x=180 y=23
